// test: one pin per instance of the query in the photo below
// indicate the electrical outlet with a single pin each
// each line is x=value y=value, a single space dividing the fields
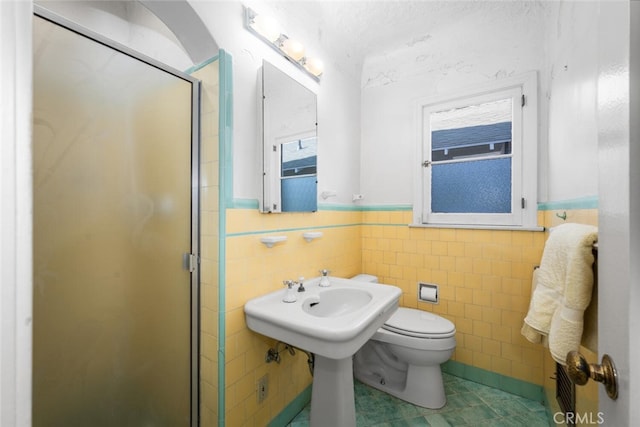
x=263 y=388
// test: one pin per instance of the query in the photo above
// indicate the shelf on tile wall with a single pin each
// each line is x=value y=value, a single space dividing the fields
x=269 y=241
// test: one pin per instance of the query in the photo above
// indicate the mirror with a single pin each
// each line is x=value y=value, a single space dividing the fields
x=290 y=144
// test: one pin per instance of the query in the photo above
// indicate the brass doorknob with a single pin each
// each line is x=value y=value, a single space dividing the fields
x=580 y=371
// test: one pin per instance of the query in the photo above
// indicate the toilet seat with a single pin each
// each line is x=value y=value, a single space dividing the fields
x=419 y=324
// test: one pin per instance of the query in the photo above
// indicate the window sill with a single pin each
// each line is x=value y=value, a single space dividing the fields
x=479 y=227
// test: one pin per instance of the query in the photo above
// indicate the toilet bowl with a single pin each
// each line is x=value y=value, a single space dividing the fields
x=403 y=357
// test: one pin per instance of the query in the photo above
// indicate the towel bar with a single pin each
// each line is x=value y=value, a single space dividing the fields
x=595 y=250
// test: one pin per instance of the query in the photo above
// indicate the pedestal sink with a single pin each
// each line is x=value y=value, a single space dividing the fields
x=333 y=323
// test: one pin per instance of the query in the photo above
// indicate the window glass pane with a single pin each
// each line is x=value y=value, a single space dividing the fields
x=470 y=154
x=471 y=141
x=479 y=186
x=471 y=131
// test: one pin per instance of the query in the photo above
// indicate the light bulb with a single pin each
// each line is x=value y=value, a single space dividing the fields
x=314 y=66
x=293 y=48
x=267 y=27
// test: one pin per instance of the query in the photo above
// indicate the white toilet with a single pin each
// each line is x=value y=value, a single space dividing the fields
x=403 y=357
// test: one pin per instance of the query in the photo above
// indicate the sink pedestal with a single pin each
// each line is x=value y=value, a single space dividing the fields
x=332 y=398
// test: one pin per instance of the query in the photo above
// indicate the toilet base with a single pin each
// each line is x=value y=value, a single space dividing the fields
x=424 y=386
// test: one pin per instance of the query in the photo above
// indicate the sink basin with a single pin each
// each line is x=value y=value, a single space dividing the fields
x=336 y=302
x=333 y=321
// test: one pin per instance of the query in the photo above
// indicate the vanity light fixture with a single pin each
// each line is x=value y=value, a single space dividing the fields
x=267 y=29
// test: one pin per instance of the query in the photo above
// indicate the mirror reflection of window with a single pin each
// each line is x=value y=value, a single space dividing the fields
x=299 y=157
x=298 y=175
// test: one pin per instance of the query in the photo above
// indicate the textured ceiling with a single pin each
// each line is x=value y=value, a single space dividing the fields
x=353 y=29
x=349 y=30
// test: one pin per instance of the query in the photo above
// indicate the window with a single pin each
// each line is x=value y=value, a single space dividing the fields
x=478 y=154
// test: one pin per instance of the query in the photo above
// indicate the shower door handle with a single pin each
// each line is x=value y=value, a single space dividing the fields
x=189 y=262
x=580 y=371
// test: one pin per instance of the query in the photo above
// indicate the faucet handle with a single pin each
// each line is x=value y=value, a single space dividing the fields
x=288 y=283
x=324 y=279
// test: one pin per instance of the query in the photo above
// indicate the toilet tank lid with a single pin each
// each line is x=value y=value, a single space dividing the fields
x=415 y=322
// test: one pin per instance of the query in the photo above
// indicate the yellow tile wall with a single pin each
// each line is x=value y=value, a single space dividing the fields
x=209 y=238
x=484 y=279
x=252 y=269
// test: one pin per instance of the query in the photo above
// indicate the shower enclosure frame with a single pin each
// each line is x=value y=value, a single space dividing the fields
x=191 y=261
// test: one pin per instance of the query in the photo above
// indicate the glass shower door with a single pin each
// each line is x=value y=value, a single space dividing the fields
x=113 y=218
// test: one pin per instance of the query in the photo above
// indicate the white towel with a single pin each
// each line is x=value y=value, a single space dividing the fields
x=540 y=313
x=562 y=289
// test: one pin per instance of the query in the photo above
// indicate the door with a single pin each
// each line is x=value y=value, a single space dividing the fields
x=115 y=211
x=619 y=207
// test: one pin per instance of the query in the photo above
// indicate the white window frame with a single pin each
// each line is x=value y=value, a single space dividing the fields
x=524 y=155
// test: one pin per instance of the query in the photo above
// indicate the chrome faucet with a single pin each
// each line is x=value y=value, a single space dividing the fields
x=324 y=279
x=290 y=295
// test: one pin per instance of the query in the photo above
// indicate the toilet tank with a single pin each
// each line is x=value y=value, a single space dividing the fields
x=365 y=278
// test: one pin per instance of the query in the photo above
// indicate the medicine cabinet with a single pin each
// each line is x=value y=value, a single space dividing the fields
x=289 y=144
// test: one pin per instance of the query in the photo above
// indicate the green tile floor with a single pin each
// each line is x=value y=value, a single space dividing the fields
x=468 y=404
